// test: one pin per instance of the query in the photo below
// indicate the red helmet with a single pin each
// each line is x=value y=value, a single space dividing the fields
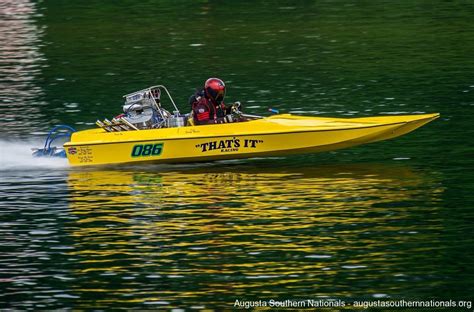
x=215 y=89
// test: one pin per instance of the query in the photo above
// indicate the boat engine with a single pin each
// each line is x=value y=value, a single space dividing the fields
x=143 y=110
x=138 y=115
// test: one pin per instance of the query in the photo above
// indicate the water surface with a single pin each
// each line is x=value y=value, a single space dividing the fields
x=391 y=220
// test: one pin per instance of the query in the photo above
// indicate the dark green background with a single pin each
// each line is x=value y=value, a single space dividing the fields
x=387 y=220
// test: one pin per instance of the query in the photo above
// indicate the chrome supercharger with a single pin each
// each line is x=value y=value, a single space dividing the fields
x=143 y=110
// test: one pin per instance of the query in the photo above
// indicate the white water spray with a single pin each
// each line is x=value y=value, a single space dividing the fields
x=17 y=155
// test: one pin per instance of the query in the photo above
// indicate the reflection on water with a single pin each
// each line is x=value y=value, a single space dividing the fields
x=20 y=65
x=204 y=238
x=199 y=238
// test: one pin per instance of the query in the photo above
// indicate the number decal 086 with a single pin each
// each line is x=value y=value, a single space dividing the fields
x=144 y=150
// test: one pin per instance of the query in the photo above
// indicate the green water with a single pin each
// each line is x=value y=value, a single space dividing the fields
x=391 y=220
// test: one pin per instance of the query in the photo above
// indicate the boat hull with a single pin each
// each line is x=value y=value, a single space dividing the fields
x=273 y=136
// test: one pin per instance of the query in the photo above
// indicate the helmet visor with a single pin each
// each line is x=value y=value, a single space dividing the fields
x=217 y=95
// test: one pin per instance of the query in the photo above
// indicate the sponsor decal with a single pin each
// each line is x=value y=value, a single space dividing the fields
x=72 y=150
x=84 y=154
x=144 y=150
x=229 y=145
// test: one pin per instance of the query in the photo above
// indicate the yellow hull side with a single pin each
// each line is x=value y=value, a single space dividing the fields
x=272 y=136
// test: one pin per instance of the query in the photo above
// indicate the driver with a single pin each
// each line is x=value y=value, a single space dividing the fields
x=208 y=105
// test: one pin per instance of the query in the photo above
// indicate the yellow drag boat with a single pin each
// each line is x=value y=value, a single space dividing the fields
x=272 y=136
x=129 y=141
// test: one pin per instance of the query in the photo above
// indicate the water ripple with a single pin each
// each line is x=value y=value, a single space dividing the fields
x=20 y=66
x=177 y=235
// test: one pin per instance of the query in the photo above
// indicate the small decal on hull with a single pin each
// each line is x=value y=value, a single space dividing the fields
x=72 y=150
x=84 y=153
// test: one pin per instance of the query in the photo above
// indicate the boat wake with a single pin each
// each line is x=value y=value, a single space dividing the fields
x=16 y=155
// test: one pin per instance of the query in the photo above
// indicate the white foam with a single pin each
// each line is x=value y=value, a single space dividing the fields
x=17 y=155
